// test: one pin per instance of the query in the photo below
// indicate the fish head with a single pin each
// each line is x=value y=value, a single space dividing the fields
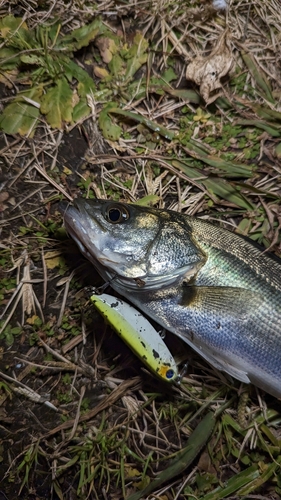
x=129 y=242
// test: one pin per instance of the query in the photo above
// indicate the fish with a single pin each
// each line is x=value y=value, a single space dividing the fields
x=213 y=288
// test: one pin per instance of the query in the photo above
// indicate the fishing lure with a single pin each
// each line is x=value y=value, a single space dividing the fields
x=138 y=334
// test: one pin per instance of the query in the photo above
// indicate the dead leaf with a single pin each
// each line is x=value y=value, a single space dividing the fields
x=205 y=463
x=27 y=290
x=8 y=77
x=131 y=404
x=100 y=72
x=75 y=98
x=131 y=472
x=66 y=171
x=4 y=196
x=32 y=319
x=208 y=71
x=107 y=48
x=52 y=259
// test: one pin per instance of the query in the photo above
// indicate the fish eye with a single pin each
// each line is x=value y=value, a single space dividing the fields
x=116 y=214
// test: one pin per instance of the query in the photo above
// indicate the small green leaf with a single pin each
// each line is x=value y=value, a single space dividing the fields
x=186 y=94
x=57 y=104
x=53 y=32
x=81 y=110
x=16 y=33
x=136 y=55
x=117 y=66
x=10 y=24
x=9 y=338
x=16 y=330
x=20 y=117
x=32 y=59
x=86 y=84
x=81 y=37
x=110 y=131
x=9 y=58
x=88 y=33
x=85 y=87
x=148 y=201
x=169 y=75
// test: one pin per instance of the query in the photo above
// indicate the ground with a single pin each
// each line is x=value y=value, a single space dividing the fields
x=103 y=109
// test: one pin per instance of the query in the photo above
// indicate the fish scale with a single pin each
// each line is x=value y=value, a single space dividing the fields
x=211 y=287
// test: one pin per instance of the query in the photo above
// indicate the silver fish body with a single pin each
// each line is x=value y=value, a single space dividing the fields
x=211 y=287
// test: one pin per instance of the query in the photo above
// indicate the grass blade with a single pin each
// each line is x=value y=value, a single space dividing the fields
x=168 y=134
x=184 y=457
x=258 y=76
x=234 y=484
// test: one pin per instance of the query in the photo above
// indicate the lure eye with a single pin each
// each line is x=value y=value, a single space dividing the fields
x=170 y=373
x=116 y=214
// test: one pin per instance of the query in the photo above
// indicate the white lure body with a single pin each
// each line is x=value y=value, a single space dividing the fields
x=136 y=331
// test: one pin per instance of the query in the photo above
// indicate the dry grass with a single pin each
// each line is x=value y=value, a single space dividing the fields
x=80 y=416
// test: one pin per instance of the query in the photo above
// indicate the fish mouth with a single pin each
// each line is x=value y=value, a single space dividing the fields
x=85 y=231
x=78 y=209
